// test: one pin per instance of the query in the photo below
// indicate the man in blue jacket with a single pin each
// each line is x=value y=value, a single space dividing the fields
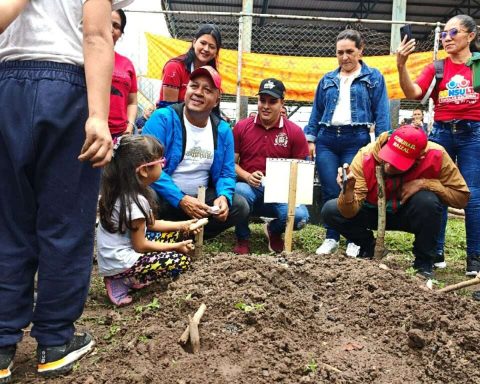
x=198 y=152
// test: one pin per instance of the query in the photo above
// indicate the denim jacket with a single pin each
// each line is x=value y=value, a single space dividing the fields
x=369 y=101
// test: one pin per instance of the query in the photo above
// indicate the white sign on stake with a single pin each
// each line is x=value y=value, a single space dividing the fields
x=276 y=181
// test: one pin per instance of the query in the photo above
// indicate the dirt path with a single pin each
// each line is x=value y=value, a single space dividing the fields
x=307 y=320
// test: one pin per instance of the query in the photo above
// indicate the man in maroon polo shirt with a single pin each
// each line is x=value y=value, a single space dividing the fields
x=266 y=135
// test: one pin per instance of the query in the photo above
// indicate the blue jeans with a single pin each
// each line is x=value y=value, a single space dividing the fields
x=48 y=200
x=462 y=142
x=334 y=147
x=279 y=211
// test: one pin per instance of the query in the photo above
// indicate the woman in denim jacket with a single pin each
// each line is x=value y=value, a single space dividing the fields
x=457 y=120
x=348 y=101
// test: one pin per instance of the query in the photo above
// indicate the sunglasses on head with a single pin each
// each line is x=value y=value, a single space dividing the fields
x=451 y=32
x=161 y=161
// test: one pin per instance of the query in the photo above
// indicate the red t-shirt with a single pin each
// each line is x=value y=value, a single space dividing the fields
x=175 y=75
x=454 y=97
x=124 y=82
x=254 y=143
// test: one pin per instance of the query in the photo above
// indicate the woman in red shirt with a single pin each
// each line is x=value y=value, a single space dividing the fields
x=123 y=94
x=457 y=120
x=205 y=47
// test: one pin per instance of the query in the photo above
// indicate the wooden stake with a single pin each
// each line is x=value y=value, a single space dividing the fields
x=199 y=236
x=382 y=206
x=292 y=199
x=192 y=329
x=460 y=285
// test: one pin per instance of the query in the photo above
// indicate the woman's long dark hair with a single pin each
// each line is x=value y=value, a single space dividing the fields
x=469 y=24
x=204 y=29
x=120 y=181
x=123 y=19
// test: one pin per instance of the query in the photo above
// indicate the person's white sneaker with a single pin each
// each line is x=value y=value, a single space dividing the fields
x=352 y=250
x=328 y=246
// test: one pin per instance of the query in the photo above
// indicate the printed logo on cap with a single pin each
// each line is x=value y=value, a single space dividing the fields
x=269 y=85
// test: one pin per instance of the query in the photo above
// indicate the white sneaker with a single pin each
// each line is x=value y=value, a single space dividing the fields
x=328 y=246
x=352 y=250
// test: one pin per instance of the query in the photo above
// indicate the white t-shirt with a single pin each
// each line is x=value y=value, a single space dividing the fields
x=343 y=112
x=194 y=170
x=115 y=253
x=48 y=30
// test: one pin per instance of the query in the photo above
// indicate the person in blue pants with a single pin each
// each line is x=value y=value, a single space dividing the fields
x=54 y=137
x=348 y=101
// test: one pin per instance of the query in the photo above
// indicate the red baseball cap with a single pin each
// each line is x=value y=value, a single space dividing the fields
x=209 y=71
x=404 y=146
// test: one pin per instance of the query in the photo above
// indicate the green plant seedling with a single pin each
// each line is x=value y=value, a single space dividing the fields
x=153 y=306
x=143 y=338
x=312 y=366
x=249 y=308
x=112 y=331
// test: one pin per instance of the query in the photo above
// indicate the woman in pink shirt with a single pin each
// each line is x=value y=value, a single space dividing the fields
x=123 y=94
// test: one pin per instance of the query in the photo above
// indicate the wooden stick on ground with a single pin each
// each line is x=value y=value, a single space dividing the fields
x=382 y=205
x=199 y=237
x=462 y=284
x=192 y=330
x=292 y=199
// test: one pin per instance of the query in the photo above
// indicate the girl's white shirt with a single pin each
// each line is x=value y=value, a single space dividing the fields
x=115 y=253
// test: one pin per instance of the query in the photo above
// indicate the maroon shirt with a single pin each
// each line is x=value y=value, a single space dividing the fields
x=254 y=143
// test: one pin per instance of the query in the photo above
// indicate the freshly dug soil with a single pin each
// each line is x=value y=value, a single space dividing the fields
x=270 y=319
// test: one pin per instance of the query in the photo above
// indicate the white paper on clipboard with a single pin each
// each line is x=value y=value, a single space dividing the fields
x=277 y=181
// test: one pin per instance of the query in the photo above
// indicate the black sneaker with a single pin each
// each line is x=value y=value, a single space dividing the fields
x=367 y=251
x=54 y=361
x=424 y=270
x=6 y=362
x=439 y=261
x=473 y=265
x=476 y=295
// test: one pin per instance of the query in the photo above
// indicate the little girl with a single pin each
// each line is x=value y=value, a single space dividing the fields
x=126 y=257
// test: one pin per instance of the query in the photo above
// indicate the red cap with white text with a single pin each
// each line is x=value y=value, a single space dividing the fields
x=404 y=146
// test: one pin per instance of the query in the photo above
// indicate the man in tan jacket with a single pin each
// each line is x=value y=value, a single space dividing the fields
x=419 y=178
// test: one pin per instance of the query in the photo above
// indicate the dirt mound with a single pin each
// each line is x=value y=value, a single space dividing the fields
x=302 y=320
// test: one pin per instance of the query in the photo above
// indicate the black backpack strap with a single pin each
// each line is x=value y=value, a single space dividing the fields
x=439 y=68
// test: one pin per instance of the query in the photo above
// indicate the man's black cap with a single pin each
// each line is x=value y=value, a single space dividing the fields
x=272 y=87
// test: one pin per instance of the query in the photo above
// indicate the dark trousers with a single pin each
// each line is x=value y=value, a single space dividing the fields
x=421 y=215
x=238 y=212
x=47 y=200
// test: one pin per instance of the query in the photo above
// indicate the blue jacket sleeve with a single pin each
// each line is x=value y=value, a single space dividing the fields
x=381 y=106
x=311 y=130
x=158 y=125
x=226 y=181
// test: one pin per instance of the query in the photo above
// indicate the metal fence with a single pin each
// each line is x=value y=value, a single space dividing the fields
x=287 y=36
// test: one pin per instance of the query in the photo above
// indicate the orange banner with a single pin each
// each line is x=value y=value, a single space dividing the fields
x=299 y=74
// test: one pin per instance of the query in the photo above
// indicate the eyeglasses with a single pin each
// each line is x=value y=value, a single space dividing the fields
x=161 y=161
x=451 y=32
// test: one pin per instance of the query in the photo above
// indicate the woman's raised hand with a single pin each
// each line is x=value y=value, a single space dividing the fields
x=404 y=50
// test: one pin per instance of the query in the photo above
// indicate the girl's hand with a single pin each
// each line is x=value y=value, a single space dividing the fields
x=187 y=227
x=185 y=246
x=404 y=50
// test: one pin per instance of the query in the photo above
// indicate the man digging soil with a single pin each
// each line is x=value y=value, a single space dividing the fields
x=419 y=178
